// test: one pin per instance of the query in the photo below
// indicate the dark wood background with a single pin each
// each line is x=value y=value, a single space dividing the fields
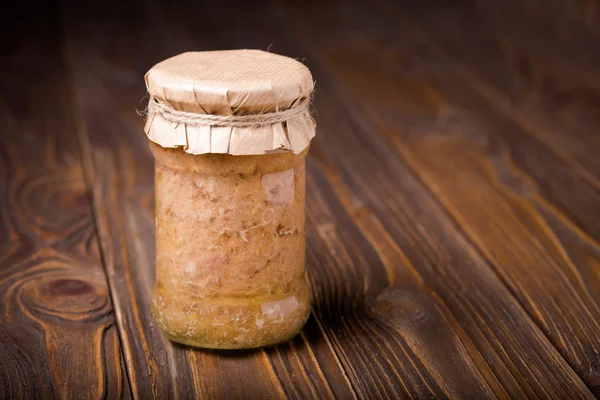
x=453 y=214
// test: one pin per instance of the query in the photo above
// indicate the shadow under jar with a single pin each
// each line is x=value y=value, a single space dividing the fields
x=230 y=212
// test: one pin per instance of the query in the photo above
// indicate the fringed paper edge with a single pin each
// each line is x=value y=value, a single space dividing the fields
x=293 y=135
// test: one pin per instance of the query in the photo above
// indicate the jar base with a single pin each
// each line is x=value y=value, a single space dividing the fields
x=226 y=346
x=230 y=324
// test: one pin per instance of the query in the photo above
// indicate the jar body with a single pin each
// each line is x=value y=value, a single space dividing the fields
x=230 y=243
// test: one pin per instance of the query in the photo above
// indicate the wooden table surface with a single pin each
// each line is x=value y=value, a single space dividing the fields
x=453 y=208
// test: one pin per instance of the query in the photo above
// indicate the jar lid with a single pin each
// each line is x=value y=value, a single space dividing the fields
x=238 y=102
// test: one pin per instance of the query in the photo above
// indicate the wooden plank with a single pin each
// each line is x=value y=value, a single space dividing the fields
x=352 y=59
x=109 y=84
x=520 y=204
x=57 y=331
x=537 y=70
x=553 y=210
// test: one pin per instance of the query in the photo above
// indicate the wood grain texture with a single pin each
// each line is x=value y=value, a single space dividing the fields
x=453 y=201
x=529 y=181
x=57 y=333
x=120 y=169
x=523 y=77
x=526 y=207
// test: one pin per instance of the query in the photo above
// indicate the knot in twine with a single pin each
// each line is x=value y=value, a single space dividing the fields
x=237 y=121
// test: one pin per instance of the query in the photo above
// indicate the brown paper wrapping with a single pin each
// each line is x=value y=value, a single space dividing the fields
x=234 y=82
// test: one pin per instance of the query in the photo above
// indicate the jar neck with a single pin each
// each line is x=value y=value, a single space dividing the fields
x=224 y=164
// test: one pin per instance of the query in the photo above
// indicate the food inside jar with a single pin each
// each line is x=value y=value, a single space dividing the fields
x=230 y=248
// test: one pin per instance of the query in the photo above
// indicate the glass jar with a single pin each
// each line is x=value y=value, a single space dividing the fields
x=230 y=246
x=229 y=131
